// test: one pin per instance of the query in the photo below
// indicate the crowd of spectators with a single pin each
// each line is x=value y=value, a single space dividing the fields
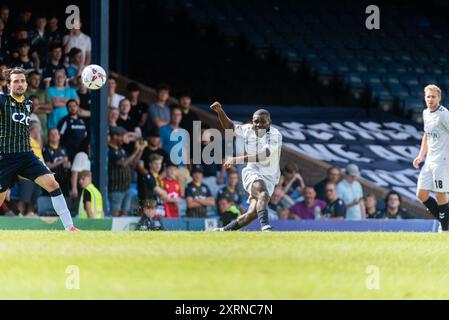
x=142 y=156
x=338 y=196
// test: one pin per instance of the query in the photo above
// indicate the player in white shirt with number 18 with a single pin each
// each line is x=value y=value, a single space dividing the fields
x=434 y=175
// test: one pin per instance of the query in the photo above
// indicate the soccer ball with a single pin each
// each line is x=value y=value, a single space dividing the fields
x=93 y=77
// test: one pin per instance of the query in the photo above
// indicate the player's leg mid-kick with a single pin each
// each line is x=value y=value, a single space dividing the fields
x=262 y=154
x=258 y=208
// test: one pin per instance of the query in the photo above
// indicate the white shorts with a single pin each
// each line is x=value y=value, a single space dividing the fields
x=249 y=176
x=434 y=177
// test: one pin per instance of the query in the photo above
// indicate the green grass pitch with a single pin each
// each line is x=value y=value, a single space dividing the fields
x=208 y=265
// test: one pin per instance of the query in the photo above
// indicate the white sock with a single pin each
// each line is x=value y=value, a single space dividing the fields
x=63 y=212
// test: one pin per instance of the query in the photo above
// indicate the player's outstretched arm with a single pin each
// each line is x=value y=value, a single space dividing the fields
x=262 y=156
x=225 y=122
x=422 y=152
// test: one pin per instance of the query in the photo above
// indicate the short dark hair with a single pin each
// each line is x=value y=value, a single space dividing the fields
x=23 y=43
x=111 y=77
x=175 y=107
x=33 y=97
x=163 y=86
x=34 y=72
x=74 y=51
x=55 y=45
x=132 y=86
x=71 y=101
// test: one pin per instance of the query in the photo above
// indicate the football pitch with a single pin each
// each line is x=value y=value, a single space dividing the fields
x=208 y=265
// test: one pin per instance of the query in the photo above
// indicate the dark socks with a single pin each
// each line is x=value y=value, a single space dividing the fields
x=263 y=217
x=433 y=208
x=444 y=216
x=232 y=226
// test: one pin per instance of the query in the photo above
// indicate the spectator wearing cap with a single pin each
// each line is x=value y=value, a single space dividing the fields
x=60 y=94
x=175 y=139
x=335 y=207
x=371 y=207
x=113 y=97
x=56 y=159
x=91 y=201
x=333 y=175
x=159 y=113
x=173 y=188
x=72 y=129
x=393 y=209
x=138 y=111
x=45 y=105
x=198 y=195
x=149 y=221
x=120 y=171
x=153 y=187
x=351 y=192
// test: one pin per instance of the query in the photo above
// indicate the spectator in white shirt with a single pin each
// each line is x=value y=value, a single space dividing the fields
x=114 y=98
x=78 y=39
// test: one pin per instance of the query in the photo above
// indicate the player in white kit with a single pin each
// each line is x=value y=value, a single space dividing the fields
x=434 y=175
x=262 y=154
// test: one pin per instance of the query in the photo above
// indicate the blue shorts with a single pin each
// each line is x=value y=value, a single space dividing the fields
x=120 y=201
x=24 y=164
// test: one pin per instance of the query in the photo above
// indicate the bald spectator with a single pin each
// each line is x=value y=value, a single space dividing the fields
x=333 y=175
x=335 y=207
x=310 y=208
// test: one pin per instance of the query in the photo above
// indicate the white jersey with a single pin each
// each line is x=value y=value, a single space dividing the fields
x=272 y=141
x=436 y=127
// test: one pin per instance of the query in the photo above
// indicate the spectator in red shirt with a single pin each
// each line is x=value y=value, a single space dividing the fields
x=309 y=208
x=171 y=185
